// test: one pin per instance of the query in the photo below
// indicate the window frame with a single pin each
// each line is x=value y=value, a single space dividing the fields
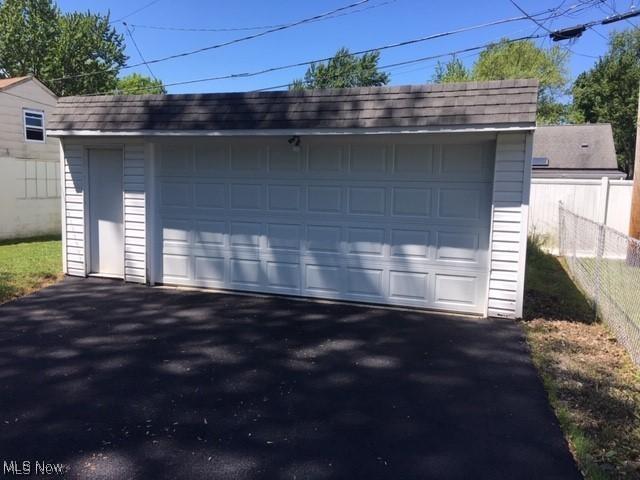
x=33 y=111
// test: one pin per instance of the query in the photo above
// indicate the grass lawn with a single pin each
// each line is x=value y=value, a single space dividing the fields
x=28 y=264
x=593 y=385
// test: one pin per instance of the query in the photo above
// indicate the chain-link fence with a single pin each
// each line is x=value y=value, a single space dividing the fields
x=606 y=266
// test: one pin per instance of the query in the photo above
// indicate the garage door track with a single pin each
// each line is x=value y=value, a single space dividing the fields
x=123 y=381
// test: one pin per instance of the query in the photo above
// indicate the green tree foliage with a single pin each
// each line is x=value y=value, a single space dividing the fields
x=37 y=39
x=609 y=92
x=509 y=60
x=139 y=84
x=452 y=71
x=342 y=71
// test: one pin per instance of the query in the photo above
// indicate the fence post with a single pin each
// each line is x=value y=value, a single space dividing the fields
x=603 y=201
x=560 y=229
x=597 y=267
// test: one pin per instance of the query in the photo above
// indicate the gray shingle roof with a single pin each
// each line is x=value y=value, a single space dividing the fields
x=577 y=151
x=504 y=102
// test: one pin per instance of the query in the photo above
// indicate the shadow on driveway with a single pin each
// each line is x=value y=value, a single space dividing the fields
x=125 y=381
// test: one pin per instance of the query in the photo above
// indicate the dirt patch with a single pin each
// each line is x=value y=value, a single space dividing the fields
x=595 y=390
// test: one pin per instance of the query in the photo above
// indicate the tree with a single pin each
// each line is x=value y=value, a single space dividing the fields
x=139 y=84
x=29 y=29
x=609 y=93
x=37 y=39
x=509 y=60
x=452 y=71
x=342 y=71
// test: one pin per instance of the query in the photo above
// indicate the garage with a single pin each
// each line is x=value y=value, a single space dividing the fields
x=413 y=196
x=385 y=220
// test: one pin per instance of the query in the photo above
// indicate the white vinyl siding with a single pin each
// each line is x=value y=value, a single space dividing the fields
x=73 y=191
x=134 y=213
x=509 y=224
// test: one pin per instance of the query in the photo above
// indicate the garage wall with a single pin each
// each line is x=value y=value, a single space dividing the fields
x=74 y=220
x=73 y=224
x=509 y=224
x=134 y=213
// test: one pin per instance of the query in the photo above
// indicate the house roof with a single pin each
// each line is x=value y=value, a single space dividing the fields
x=577 y=151
x=505 y=103
x=10 y=82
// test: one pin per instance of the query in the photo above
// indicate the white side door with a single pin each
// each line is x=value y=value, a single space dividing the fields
x=106 y=233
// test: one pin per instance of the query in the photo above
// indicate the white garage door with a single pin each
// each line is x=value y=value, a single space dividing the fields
x=383 y=220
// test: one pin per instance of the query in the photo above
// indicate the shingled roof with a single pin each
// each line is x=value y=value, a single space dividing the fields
x=504 y=102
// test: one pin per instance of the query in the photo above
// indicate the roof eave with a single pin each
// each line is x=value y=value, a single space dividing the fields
x=509 y=127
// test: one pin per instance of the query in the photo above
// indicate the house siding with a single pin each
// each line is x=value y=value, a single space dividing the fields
x=73 y=193
x=512 y=175
x=134 y=213
x=30 y=172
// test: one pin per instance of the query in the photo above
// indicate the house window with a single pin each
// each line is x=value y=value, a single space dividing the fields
x=34 y=125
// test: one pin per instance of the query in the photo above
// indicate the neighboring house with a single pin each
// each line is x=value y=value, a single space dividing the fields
x=412 y=195
x=575 y=151
x=29 y=160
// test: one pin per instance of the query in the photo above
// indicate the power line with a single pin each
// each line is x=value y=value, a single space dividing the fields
x=138 y=50
x=307 y=20
x=144 y=7
x=258 y=27
x=300 y=64
x=225 y=44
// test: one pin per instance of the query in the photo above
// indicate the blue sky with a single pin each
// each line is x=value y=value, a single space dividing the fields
x=391 y=22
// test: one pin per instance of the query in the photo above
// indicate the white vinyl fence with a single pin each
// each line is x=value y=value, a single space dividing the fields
x=603 y=201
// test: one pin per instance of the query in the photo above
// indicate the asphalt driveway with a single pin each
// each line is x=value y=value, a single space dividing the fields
x=125 y=381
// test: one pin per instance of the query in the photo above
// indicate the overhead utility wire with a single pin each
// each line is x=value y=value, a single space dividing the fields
x=430 y=57
x=223 y=44
x=258 y=27
x=555 y=35
x=144 y=7
x=138 y=50
x=300 y=64
x=429 y=37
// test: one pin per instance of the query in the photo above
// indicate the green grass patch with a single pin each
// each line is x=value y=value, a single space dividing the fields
x=549 y=291
x=28 y=264
x=592 y=383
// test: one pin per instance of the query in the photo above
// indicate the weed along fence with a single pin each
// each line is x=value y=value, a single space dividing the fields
x=605 y=264
x=601 y=200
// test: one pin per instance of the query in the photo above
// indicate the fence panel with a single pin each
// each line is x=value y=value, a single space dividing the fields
x=601 y=200
x=606 y=266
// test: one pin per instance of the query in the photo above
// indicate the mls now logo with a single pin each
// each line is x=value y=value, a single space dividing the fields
x=26 y=467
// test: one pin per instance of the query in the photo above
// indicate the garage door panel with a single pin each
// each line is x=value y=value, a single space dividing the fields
x=409 y=243
x=210 y=232
x=283 y=236
x=246 y=196
x=323 y=238
x=283 y=274
x=210 y=195
x=412 y=160
x=456 y=290
x=408 y=285
x=378 y=223
x=368 y=159
x=324 y=199
x=412 y=201
x=211 y=159
x=366 y=200
x=210 y=268
x=284 y=159
x=284 y=197
x=365 y=241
